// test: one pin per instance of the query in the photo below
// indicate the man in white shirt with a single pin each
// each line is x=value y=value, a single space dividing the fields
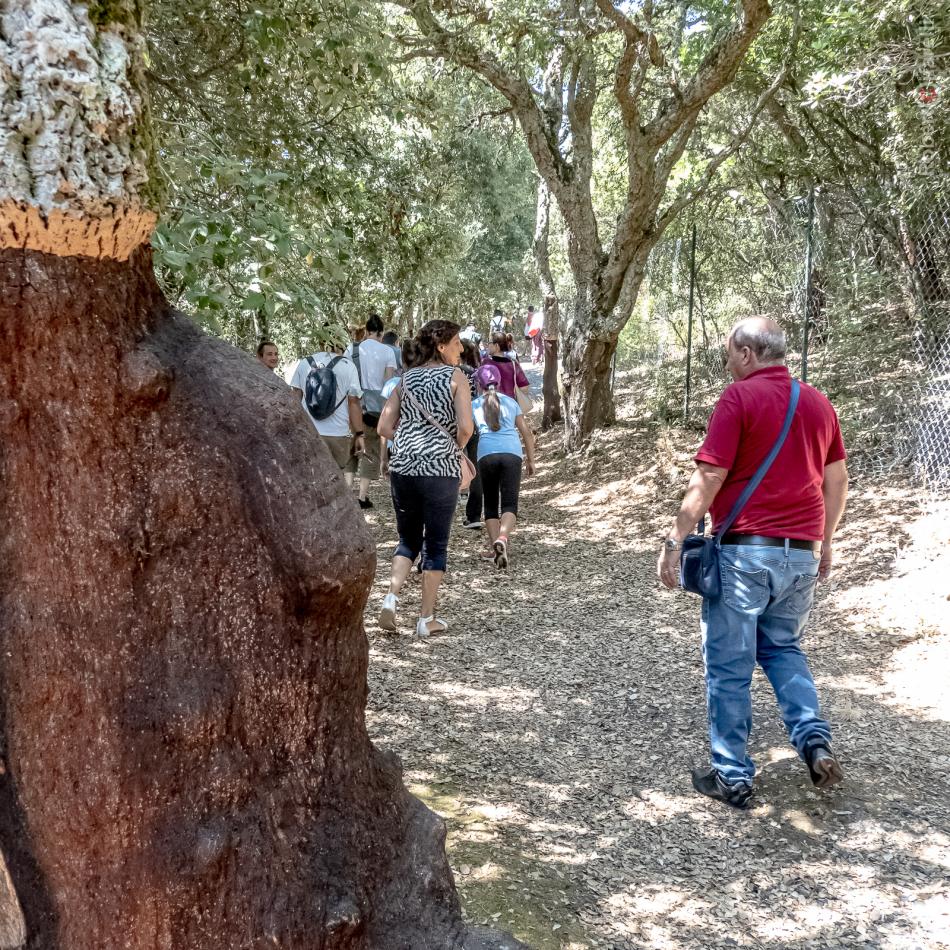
x=376 y=363
x=499 y=323
x=471 y=333
x=342 y=432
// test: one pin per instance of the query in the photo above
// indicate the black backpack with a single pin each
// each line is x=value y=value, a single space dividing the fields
x=320 y=391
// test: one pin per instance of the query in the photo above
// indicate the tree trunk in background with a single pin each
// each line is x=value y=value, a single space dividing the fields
x=587 y=391
x=550 y=308
x=555 y=110
x=182 y=578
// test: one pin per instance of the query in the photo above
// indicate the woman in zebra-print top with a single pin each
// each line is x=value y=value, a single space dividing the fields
x=425 y=463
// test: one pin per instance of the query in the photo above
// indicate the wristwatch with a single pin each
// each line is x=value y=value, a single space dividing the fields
x=671 y=544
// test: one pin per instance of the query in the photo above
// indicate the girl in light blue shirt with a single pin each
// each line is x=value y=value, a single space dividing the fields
x=502 y=428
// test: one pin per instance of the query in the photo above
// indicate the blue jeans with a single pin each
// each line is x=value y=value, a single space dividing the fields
x=767 y=593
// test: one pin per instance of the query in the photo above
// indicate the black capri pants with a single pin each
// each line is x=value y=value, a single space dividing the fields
x=424 y=506
x=501 y=483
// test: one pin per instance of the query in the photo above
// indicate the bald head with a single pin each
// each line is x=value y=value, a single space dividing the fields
x=753 y=344
x=763 y=336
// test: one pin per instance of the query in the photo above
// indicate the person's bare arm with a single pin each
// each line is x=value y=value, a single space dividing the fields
x=834 y=488
x=462 y=397
x=389 y=417
x=527 y=436
x=355 y=409
x=388 y=373
x=703 y=487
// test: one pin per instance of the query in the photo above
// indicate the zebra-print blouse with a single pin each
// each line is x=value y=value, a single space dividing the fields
x=419 y=447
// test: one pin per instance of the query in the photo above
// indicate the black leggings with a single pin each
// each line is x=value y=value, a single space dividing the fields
x=501 y=480
x=473 y=507
x=424 y=506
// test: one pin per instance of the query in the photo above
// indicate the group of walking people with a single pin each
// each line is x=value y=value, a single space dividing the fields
x=448 y=415
x=453 y=421
x=439 y=416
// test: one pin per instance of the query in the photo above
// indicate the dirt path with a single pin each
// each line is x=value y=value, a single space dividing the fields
x=555 y=724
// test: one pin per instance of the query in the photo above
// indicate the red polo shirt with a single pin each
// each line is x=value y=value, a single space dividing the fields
x=742 y=430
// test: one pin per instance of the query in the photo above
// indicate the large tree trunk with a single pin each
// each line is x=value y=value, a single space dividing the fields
x=182 y=580
x=550 y=308
x=587 y=386
x=591 y=343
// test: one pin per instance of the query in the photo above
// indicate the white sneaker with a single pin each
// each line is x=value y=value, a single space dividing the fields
x=387 y=613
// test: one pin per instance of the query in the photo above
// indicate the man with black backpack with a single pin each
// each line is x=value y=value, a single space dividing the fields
x=375 y=363
x=330 y=395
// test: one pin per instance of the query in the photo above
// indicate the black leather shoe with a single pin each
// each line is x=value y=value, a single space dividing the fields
x=365 y=503
x=709 y=782
x=823 y=765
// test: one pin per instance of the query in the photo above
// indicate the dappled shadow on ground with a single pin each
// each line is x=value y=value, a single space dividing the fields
x=555 y=724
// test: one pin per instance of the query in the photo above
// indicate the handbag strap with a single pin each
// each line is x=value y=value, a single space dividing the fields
x=756 y=479
x=430 y=417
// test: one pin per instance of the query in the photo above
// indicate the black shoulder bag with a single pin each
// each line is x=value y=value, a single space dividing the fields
x=699 y=559
x=372 y=401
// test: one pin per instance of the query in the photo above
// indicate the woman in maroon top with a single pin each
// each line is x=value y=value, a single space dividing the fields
x=512 y=375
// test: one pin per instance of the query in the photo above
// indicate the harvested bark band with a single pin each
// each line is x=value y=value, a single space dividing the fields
x=66 y=234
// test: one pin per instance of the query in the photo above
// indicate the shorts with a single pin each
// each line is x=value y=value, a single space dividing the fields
x=369 y=462
x=341 y=448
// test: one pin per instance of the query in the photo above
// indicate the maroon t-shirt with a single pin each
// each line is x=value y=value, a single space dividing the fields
x=512 y=374
x=742 y=430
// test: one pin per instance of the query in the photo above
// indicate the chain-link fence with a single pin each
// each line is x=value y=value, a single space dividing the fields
x=929 y=258
x=866 y=310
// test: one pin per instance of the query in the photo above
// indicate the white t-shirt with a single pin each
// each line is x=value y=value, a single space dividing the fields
x=375 y=357
x=347 y=384
x=497 y=324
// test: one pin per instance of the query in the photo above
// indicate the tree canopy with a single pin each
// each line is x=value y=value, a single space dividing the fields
x=321 y=159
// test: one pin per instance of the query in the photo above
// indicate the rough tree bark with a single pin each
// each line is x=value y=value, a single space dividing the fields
x=556 y=119
x=182 y=578
x=551 y=414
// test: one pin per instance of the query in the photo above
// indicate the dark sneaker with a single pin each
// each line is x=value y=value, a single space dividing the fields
x=824 y=767
x=709 y=782
x=365 y=503
x=472 y=525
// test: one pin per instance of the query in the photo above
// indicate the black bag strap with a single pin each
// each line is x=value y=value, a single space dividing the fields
x=356 y=361
x=432 y=420
x=763 y=469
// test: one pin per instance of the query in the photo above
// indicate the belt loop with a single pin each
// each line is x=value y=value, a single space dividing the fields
x=786 y=547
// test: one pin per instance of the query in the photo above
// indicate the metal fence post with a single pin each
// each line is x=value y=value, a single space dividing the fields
x=689 y=323
x=807 y=304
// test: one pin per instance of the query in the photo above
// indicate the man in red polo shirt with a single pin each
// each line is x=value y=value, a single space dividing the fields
x=771 y=557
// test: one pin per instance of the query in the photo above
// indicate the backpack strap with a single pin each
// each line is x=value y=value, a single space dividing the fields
x=356 y=361
x=756 y=479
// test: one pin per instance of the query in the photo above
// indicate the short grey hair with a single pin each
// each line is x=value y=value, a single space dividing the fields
x=764 y=337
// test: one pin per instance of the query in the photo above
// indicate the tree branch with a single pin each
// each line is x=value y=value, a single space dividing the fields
x=716 y=71
x=709 y=173
x=542 y=139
